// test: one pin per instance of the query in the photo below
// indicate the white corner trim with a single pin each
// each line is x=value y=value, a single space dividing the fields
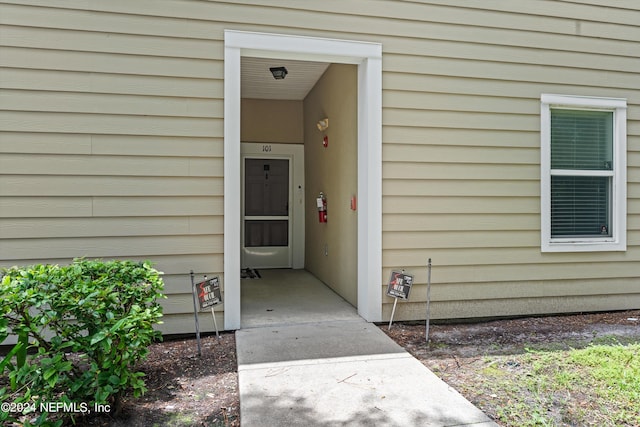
x=368 y=57
x=231 y=264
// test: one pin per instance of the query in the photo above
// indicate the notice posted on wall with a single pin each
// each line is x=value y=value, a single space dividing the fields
x=399 y=285
x=209 y=293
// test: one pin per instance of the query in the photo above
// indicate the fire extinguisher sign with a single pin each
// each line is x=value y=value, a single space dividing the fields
x=399 y=285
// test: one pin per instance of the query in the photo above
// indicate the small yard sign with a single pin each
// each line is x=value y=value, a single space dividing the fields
x=399 y=285
x=209 y=293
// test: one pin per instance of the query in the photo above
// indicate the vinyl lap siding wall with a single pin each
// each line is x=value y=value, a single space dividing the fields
x=112 y=142
x=461 y=156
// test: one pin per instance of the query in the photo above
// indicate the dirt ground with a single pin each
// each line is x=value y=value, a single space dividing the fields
x=463 y=340
x=187 y=390
x=461 y=353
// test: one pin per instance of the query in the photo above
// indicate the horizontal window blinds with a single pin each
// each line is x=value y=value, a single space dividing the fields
x=580 y=206
x=581 y=141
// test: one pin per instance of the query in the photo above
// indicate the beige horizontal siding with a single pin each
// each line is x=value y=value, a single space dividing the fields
x=412 y=170
x=461 y=178
x=456 y=309
x=104 y=165
x=491 y=87
x=399 y=135
x=107 y=62
x=459 y=222
x=180 y=324
x=527 y=297
x=46 y=206
x=52 y=101
x=451 y=187
x=619 y=12
x=111 y=120
x=369 y=20
x=459 y=239
x=460 y=277
x=110 y=247
x=109 y=42
x=17 y=228
x=180 y=264
x=78 y=185
x=111 y=144
x=78 y=81
x=109 y=123
x=355 y=14
x=461 y=154
x=510 y=71
x=417 y=260
x=66 y=143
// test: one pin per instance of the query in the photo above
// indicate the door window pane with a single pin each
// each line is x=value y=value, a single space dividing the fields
x=266 y=233
x=266 y=187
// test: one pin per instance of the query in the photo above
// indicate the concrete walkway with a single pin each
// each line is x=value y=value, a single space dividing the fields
x=340 y=373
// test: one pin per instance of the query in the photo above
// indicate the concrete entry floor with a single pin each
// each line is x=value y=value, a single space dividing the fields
x=285 y=297
x=305 y=358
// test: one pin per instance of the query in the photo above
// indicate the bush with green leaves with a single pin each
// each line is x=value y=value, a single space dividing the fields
x=81 y=330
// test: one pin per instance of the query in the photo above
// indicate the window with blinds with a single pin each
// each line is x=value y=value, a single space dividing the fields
x=583 y=173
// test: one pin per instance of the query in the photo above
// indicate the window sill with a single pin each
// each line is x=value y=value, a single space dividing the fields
x=584 y=246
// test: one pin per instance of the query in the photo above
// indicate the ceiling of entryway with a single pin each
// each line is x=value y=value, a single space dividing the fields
x=258 y=82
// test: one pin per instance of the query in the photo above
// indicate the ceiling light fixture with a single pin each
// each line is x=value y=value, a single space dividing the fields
x=279 y=73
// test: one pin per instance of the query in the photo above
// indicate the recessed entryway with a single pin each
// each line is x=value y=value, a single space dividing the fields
x=283 y=297
x=367 y=57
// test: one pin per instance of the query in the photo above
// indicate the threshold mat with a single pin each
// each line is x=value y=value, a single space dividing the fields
x=250 y=273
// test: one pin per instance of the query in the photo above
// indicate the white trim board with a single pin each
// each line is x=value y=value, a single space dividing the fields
x=368 y=57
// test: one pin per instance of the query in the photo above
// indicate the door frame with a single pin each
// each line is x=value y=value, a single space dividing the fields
x=368 y=57
x=295 y=154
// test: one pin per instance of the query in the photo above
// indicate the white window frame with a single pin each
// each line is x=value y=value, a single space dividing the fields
x=618 y=240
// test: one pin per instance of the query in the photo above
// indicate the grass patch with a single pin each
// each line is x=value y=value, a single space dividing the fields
x=598 y=385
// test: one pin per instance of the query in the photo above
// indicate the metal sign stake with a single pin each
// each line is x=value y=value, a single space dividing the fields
x=213 y=314
x=428 y=298
x=195 y=313
x=395 y=301
x=215 y=324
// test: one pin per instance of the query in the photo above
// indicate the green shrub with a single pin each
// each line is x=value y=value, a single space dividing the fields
x=86 y=325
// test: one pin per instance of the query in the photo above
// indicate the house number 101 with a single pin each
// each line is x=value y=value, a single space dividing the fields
x=266 y=148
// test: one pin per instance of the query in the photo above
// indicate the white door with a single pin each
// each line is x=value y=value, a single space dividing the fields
x=272 y=206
